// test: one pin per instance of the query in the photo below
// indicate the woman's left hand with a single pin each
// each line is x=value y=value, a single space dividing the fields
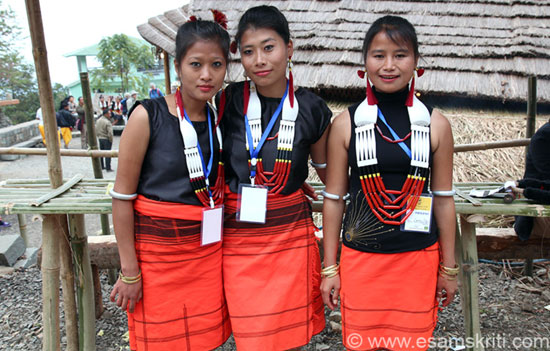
x=446 y=290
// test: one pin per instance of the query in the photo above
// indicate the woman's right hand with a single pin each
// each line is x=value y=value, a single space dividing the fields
x=330 y=290
x=128 y=295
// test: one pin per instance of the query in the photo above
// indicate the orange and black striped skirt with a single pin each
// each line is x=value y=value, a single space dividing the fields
x=271 y=275
x=388 y=301
x=183 y=306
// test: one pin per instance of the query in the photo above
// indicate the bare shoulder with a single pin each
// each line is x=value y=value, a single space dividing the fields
x=441 y=131
x=342 y=121
x=439 y=122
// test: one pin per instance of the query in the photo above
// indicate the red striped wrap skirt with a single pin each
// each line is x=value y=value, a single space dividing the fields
x=183 y=306
x=388 y=300
x=271 y=275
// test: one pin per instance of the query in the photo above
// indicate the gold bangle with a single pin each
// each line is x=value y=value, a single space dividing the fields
x=449 y=271
x=330 y=271
x=130 y=280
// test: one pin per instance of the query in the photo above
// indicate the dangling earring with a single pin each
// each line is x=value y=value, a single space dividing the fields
x=371 y=99
x=290 y=82
x=418 y=72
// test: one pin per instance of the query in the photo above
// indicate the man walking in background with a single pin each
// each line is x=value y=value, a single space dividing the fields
x=104 y=130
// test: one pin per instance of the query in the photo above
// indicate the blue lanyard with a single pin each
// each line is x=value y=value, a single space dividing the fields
x=207 y=169
x=394 y=134
x=255 y=152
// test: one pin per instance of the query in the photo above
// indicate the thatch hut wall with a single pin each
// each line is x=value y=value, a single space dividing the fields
x=470 y=48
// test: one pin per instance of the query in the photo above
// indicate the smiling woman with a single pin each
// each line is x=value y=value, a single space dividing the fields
x=270 y=130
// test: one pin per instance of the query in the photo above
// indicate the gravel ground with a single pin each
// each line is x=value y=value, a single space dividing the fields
x=511 y=306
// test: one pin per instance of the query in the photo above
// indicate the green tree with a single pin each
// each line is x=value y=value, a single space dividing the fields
x=121 y=57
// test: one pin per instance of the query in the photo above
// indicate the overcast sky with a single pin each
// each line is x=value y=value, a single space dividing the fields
x=74 y=24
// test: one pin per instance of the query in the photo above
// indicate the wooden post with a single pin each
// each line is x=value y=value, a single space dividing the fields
x=23 y=228
x=50 y=284
x=97 y=291
x=167 y=83
x=531 y=126
x=468 y=261
x=92 y=142
x=52 y=233
x=84 y=283
x=67 y=284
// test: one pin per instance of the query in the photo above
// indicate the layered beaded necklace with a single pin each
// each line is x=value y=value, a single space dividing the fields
x=392 y=207
x=207 y=195
x=276 y=179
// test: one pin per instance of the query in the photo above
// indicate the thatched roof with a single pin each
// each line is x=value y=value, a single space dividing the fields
x=469 y=47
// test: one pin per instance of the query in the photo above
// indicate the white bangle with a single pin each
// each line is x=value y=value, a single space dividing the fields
x=318 y=165
x=331 y=196
x=444 y=192
x=119 y=196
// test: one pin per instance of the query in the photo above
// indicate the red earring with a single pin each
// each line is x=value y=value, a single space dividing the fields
x=361 y=73
x=290 y=82
x=419 y=71
x=409 y=101
x=371 y=99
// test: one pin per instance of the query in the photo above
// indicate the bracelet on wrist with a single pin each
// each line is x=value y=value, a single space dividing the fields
x=130 y=280
x=330 y=271
x=450 y=273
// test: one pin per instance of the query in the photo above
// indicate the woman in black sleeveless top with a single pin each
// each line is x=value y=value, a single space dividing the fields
x=170 y=166
x=391 y=276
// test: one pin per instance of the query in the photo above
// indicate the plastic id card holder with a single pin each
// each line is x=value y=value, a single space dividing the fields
x=252 y=205
x=421 y=219
x=211 y=225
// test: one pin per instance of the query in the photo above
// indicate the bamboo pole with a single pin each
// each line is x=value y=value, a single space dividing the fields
x=23 y=228
x=491 y=145
x=63 y=152
x=530 y=130
x=67 y=285
x=92 y=142
x=52 y=234
x=84 y=283
x=468 y=262
x=50 y=284
x=167 y=84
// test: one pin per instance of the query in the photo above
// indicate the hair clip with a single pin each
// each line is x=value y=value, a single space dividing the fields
x=193 y=19
x=220 y=18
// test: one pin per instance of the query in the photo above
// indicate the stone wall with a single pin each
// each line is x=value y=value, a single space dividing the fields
x=18 y=133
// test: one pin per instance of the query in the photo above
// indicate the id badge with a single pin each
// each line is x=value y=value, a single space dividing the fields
x=211 y=225
x=421 y=218
x=252 y=205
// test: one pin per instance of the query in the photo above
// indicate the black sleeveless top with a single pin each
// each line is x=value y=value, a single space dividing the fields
x=367 y=232
x=164 y=175
x=312 y=121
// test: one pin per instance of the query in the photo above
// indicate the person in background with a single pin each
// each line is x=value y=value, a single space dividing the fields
x=116 y=112
x=155 y=92
x=4 y=223
x=65 y=121
x=104 y=132
x=81 y=122
x=102 y=104
x=41 y=124
x=535 y=184
x=131 y=101
x=124 y=104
